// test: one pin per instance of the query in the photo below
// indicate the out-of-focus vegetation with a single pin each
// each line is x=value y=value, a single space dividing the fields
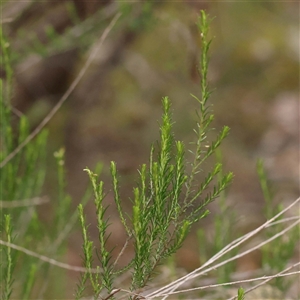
x=153 y=51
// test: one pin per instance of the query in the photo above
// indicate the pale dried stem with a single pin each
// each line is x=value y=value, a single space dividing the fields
x=26 y=202
x=47 y=259
x=270 y=277
x=174 y=285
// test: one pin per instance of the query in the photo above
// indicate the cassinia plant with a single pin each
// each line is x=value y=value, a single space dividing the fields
x=168 y=199
x=166 y=202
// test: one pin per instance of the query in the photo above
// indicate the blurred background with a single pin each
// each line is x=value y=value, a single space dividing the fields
x=153 y=51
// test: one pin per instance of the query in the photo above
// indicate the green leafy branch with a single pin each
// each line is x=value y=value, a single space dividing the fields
x=167 y=200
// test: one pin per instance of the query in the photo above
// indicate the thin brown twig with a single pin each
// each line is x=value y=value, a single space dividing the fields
x=15 y=111
x=112 y=294
x=25 y=202
x=6 y=20
x=54 y=110
x=122 y=251
x=47 y=259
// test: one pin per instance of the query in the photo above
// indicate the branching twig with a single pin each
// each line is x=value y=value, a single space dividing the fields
x=268 y=278
x=191 y=276
x=281 y=274
x=174 y=285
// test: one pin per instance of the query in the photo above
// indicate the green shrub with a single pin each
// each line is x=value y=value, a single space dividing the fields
x=167 y=201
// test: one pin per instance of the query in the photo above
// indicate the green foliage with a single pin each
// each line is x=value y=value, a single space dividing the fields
x=21 y=181
x=276 y=254
x=167 y=200
x=29 y=284
x=22 y=178
x=73 y=14
x=138 y=16
x=6 y=60
x=224 y=232
x=9 y=264
x=241 y=294
x=64 y=200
